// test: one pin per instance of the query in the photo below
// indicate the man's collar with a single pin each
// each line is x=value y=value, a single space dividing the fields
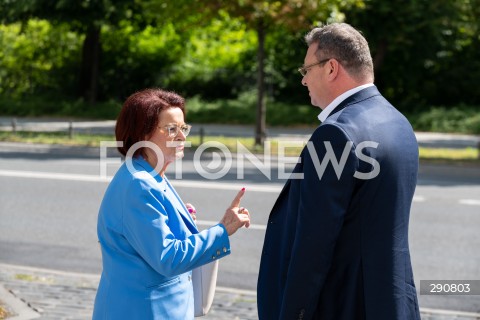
x=326 y=112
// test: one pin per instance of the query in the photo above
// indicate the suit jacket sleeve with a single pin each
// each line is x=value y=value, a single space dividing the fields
x=162 y=242
x=323 y=204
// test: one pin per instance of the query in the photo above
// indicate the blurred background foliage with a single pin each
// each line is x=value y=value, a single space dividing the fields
x=82 y=58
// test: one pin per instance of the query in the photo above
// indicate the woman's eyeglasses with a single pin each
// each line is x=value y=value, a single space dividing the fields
x=173 y=129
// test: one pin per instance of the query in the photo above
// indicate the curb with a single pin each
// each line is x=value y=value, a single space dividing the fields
x=20 y=309
x=456 y=314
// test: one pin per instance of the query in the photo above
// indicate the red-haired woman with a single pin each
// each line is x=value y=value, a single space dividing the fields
x=149 y=240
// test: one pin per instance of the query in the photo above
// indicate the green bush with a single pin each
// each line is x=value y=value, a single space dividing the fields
x=460 y=119
x=472 y=124
x=243 y=111
x=57 y=106
x=233 y=111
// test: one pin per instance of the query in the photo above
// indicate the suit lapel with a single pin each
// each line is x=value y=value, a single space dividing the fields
x=182 y=212
x=287 y=185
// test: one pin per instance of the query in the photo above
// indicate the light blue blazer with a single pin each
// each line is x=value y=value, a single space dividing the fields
x=149 y=246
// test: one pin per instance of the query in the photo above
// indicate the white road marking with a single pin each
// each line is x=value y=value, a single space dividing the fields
x=273 y=188
x=208 y=223
x=418 y=199
x=209 y=184
x=470 y=202
x=54 y=176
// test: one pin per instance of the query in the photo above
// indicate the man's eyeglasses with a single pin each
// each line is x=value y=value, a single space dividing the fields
x=303 y=70
x=173 y=129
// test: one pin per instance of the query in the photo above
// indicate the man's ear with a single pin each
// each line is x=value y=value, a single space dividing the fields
x=333 y=68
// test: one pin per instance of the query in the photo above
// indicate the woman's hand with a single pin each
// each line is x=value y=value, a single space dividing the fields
x=235 y=216
x=192 y=211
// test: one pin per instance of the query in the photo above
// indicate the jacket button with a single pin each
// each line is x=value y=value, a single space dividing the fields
x=218 y=252
x=224 y=249
x=213 y=257
x=302 y=313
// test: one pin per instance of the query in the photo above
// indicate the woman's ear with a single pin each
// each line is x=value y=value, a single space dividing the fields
x=148 y=136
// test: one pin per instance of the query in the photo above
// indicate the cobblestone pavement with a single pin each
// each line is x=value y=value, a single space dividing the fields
x=63 y=295
x=57 y=295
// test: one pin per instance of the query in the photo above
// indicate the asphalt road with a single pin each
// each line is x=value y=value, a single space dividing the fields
x=49 y=204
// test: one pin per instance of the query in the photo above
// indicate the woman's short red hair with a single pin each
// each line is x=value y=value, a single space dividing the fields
x=139 y=116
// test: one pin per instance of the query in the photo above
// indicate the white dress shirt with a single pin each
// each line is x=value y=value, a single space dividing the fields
x=326 y=112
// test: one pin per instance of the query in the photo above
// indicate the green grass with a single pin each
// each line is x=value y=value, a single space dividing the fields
x=26 y=277
x=34 y=278
x=55 y=138
x=468 y=155
x=465 y=155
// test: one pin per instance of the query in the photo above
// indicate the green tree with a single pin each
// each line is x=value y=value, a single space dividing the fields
x=215 y=60
x=135 y=58
x=85 y=16
x=264 y=17
x=424 y=51
x=36 y=57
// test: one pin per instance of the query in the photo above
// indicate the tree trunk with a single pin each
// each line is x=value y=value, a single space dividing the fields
x=261 y=107
x=88 y=85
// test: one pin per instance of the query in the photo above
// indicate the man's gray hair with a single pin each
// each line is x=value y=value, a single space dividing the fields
x=344 y=43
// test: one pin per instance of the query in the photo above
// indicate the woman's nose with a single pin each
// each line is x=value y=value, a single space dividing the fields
x=181 y=136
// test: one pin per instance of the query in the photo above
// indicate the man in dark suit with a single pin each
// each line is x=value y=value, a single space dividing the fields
x=336 y=245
